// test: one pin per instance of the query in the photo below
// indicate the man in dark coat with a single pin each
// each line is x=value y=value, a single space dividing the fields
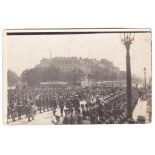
x=76 y=103
x=39 y=104
x=67 y=118
x=54 y=105
x=47 y=102
x=79 y=117
x=73 y=117
x=61 y=105
x=44 y=102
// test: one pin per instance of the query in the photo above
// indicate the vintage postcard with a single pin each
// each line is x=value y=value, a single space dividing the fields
x=77 y=76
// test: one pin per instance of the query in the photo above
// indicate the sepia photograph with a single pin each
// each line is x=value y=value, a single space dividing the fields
x=77 y=76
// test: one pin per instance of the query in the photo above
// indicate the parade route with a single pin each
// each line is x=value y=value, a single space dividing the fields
x=47 y=118
x=44 y=118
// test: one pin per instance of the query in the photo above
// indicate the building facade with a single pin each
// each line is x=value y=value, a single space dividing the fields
x=67 y=64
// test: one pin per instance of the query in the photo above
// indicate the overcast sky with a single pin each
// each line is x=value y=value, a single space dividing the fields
x=27 y=51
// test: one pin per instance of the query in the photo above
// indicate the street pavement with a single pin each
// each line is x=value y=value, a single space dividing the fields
x=44 y=118
x=141 y=109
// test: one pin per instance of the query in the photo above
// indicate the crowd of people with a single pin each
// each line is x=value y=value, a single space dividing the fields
x=71 y=105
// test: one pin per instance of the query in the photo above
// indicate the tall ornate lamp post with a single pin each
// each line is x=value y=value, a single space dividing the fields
x=144 y=77
x=127 y=39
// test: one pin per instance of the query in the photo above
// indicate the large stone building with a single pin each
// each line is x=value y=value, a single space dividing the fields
x=93 y=70
x=72 y=63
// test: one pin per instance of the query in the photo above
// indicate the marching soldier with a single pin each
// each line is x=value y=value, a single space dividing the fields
x=51 y=102
x=73 y=117
x=47 y=102
x=76 y=103
x=87 y=110
x=31 y=110
x=69 y=105
x=67 y=118
x=19 y=108
x=25 y=101
x=44 y=102
x=94 y=114
x=61 y=105
x=79 y=117
x=11 y=111
x=39 y=103
x=54 y=105
x=100 y=109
